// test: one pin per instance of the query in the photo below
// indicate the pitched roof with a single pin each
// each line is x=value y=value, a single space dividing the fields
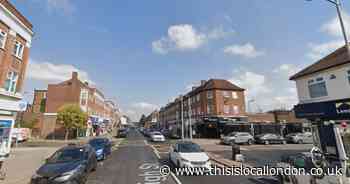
x=220 y=84
x=339 y=57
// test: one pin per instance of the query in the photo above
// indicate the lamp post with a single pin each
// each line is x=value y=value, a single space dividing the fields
x=340 y=16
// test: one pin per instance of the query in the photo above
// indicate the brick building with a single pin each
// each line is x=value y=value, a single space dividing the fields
x=103 y=114
x=214 y=99
x=39 y=101
x=16 y=34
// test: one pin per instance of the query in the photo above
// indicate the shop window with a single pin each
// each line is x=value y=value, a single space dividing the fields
x=226 y=109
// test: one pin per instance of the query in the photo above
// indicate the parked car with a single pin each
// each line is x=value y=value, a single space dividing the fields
x=122 y=133
x=188 y=154
x=165 y=132
x=70 y=164
x=270 y=138
x=102 y=146
x=300 y=138
x=238 y=138
x=157 y=137
x=20 y=134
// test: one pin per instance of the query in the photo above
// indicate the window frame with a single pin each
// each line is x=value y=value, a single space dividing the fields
x=18 y=49
x=12 y=86
x=314 y=82
x=4 y=34
x=210 y=94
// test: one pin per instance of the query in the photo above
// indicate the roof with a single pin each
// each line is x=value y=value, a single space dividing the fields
x=14 y=11
x=336 y=58
x=220 y=84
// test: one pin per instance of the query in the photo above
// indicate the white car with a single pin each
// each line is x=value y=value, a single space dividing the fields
x=189 y=154
x=157 y=137
x=238 y=138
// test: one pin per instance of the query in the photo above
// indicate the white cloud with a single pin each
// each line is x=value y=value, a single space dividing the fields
x=50 y=72
x=135 y=110
x=287 y=70
x=255 y=84
x=333 y=28
x=319 y=51
x=247 y=50
x=185 y=37
x=145 y=106
x=267 y=91
x=64 y=6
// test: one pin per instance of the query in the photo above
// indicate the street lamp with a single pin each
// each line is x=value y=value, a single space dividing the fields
x=339 y=11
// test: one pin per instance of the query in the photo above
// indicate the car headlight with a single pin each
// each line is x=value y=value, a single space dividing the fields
x=99 y=151
x=184 y=160
x=36 y=176
x=67 y=175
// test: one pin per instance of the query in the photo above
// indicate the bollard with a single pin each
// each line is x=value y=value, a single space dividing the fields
x=235 y=150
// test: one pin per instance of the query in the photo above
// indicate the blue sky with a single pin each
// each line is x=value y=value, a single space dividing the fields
x=144 y=53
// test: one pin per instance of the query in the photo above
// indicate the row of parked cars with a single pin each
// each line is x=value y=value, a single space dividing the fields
x=268 y=138
x=73 y=163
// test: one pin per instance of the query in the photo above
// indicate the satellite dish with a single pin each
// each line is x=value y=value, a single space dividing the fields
x=22 y=105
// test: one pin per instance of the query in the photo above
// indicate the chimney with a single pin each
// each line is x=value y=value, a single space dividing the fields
x=75 y=75
x=203 y=82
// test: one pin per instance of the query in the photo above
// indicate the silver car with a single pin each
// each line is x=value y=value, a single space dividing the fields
x=238 y=138
x=300 y=138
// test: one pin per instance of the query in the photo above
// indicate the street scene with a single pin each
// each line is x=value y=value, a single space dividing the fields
x=174 y=92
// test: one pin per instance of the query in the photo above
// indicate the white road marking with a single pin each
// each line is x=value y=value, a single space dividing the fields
x=175 y=178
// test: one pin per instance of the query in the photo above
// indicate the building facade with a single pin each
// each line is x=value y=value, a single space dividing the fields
x=103 y=114
x=324 y=88
x=16 y=34
x=213 y=99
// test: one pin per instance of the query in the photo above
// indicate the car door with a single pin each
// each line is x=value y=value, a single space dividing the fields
x=173 y=153
x=273 y=138
x=308 y=138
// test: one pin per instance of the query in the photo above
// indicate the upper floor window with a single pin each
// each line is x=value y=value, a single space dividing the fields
x=226 y=109
x=235 y=109
x=209 y=109
x=18 y=49
x=11 y=82
x=234 y=95
x=3 y=36
x=226 y=94
x=198 y=97
x=317 y=88
x=210 y=94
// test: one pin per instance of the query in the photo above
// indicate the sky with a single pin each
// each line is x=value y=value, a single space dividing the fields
x=143 y=54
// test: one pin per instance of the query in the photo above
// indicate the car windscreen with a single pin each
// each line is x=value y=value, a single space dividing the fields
x=232 y=134
x=97 y=142
x=189 y=148
x=67 y=155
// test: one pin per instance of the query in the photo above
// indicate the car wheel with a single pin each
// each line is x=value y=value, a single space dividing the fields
x=300 y=142
x=266 y=142
x=250 y=142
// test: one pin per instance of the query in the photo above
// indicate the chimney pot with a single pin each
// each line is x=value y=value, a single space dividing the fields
x=75 y=75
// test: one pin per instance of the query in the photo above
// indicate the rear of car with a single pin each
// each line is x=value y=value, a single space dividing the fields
x=102 y=147
x=157 y=137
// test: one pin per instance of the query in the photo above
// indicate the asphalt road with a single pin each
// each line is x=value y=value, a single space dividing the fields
x=135 y=163
x=132 y=163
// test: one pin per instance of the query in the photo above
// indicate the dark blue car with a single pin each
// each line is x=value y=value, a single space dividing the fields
x=102 y=146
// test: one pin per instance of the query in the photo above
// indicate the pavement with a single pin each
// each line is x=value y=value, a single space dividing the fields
x=25 y=160
x=255 y=155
